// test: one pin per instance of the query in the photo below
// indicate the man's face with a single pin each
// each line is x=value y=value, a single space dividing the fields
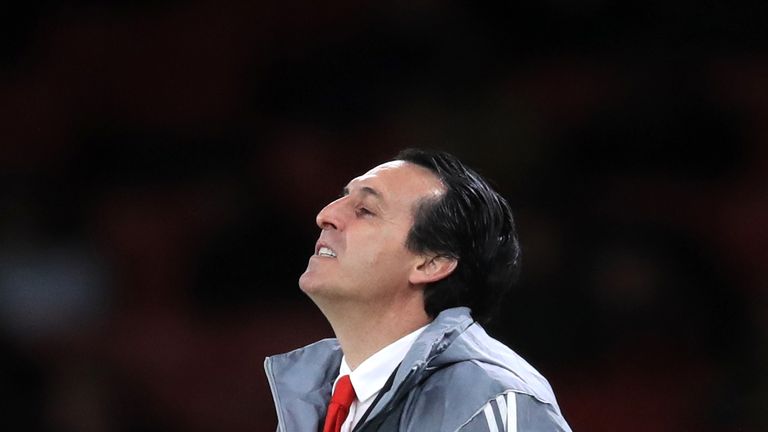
x=361 y=253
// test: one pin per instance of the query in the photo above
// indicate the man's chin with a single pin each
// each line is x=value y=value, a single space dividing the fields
x=318 y=289
x=309 y=283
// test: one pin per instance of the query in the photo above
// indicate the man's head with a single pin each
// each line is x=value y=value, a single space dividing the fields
x=420 y=227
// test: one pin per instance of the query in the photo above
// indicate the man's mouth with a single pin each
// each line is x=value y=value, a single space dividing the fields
x=325 y=251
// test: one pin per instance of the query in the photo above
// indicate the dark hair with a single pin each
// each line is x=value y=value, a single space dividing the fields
x=471 y=223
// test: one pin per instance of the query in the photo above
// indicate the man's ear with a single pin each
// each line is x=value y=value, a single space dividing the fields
x=432 y=269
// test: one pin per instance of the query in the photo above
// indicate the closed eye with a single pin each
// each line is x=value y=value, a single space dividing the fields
x=362 y=211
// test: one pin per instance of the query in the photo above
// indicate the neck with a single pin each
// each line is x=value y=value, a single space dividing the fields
x=363 y=331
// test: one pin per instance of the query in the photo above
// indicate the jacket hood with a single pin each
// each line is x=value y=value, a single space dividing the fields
x=477 y=346
x=440 y=346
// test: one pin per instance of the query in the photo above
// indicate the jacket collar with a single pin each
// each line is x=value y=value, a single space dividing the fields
x=417 y=364
x=301 y=382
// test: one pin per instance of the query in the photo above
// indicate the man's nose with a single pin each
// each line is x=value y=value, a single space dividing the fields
x=329 y=216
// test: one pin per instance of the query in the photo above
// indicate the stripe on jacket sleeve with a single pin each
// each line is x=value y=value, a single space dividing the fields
x=511 y=412
x=501 y=402
x=490 y=418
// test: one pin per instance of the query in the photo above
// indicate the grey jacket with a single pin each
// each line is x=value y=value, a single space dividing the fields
x=455 y=377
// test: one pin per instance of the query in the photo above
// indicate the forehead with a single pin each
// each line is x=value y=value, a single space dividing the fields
x=400 y=180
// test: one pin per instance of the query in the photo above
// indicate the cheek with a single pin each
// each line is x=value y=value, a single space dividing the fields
x=373 y=257
x=379 y=250
x=392 y=261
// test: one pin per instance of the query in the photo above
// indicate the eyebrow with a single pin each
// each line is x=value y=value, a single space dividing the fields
x=366 y=190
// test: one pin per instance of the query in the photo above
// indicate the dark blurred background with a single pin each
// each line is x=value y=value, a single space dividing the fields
x=162 y=163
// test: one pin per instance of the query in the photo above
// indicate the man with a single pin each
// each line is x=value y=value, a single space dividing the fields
x=410 y=258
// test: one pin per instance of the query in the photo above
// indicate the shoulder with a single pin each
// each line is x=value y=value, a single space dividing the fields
x=477 y=376
x=516 y=412
x=466 y=397
x=451 y=396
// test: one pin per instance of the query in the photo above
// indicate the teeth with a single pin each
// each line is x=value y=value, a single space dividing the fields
x=324 y=251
